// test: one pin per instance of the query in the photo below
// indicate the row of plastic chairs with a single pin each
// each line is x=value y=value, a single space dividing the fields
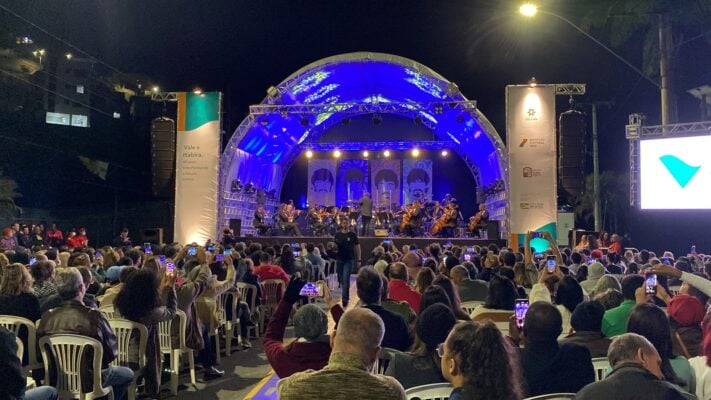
x=441 y=391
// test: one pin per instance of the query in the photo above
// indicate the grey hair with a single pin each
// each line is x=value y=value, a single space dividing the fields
x=625 y=347
x=68 y=283
x=360 y=328
x=310 y=322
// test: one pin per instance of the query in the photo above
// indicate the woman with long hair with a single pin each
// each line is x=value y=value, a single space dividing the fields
x=140 y=301
x=501 y=296
x=433 y=295
x=650 y=321
x=480 y=363
x=424 y=280
x=568 y=295
x=453 y=294
x=286 y=260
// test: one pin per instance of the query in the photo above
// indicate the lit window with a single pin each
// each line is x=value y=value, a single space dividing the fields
x=80 y=89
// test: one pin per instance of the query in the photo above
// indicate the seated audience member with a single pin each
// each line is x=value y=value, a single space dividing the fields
x=636 y=373
x=650 y=321
x=586 y=322
x=369 y=285
x=595 y=272
x=501 y=297
x=605 y=283
x=266 y=270
x=412 y=262
x=449 y=288
x=140 y=301
x=421 y=365
x=609 y=299
x=311 y=349
x=469 y=289
x=550 y=367
x=43 y=273
x=685 y=316
x=12 y=377
x=251 y=279
x=16 y=296
x=402 y=308
x=700 y=283
x=355 y=348
x=700 y=363
x=424 y=279
x=480 y=363
x=614 y=322
x=400 y=289
x=73 y=317
x=116 y=277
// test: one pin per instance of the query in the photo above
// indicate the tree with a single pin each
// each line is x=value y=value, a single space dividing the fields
x=8 y=194
x=614 y=196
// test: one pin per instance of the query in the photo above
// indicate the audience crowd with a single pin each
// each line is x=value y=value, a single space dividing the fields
x=423 y=315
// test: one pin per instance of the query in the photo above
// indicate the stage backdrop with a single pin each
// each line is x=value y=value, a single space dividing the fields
x=197 y=163
x=531 y=123
x=322 y=182
x=352 y=180
x=417 y=180
x=386 y=179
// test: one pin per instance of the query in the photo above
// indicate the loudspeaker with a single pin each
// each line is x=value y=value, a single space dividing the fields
x=163 y=157
x=380 y=232
x=571 y=153
x=236 y=226
x=152 y=235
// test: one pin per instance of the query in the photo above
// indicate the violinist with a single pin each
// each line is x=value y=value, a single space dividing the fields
x=287 y=216
x=259 y=223
x=315 y=216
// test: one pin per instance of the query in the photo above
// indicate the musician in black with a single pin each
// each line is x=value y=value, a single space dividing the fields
x=414 y=225
x=318 y=228
x=483 y=220
x=259 y=222
x=287 y=216
x=451 y=213
x=366 y=212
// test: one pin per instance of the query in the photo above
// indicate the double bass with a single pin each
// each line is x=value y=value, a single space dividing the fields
x=475 y=220
x=408 y=215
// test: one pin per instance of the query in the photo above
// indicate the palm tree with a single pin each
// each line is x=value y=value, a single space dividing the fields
x=614 y=195
x=8 y=194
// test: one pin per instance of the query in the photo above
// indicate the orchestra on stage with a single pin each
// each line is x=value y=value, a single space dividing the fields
x=421 y=218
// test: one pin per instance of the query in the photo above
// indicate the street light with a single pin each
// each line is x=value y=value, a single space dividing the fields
x=528 y=9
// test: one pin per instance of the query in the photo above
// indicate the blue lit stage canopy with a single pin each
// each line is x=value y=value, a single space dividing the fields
x=305 y=105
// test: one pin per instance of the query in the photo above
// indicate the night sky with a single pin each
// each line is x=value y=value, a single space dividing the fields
x=243 y=47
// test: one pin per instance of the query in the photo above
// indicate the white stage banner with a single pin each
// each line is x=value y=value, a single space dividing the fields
x=416 y=180
x=322 y=183
x=531 y=128
x=385 y=182
x=197 y=164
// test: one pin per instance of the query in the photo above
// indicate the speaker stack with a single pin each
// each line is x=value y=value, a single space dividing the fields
x=572 y=153
x=163 y=158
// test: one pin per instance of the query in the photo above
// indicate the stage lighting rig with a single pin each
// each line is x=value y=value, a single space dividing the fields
x=415 y=153
x=386 y=153
x=236 y=186
x=249 y=188
x=309 y=153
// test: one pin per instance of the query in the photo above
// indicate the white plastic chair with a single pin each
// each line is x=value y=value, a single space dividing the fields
x=68 y=351
x=123 y=330
x=600 y=364
x=273 y=290
x=500 y=319
x=433 y=391
x=469 y=306
x=381 y=364
x=248 y=293
x=231 y=325
x=109 y=311
x=166 y=347
x=221 y=321
x=13 y=324
x=553 y=396
x=20 y=347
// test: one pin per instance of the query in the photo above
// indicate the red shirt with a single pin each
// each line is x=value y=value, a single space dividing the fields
x=615 y=247
x=265 y=272
x=401 y=291
x=74 y=241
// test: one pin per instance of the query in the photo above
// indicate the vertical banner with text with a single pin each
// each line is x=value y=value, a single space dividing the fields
x=322 y=183
x=385 y=182
x=197 y=165
x=417 y=180
x=531 y=123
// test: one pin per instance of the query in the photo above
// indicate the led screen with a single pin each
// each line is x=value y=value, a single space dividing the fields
x=675 y=173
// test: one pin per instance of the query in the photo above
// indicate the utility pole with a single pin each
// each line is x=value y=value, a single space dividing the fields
x=666 y=71
x=596 y=162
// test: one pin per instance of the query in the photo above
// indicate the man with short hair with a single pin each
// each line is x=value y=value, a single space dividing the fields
x=469 y=289
x=356 y=346
x=399 y=288
x=370 y=286
x=547 y=366
x=366 y=212
x=636 y=373
x=587 y=325
x=614 y=322
x=347 y=259
x=266 y=270
x=73 y=317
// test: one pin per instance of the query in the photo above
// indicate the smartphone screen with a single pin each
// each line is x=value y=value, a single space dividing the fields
x=211 y=247
x=591 y=260
x=693 y=249
x=520 y=310
x=147 y=247
x=538 y=256
x=295 y=245
x=424 y=259
x=219 y=257
x=161 y=259
x=467 y=257
x=170 y=267
x=650 y=283
x=311 y=289
x=192 y=251
x=386 y=242
x=536 y=235
x=297 y=253
x=666 y=261
x=551 y=263
x=97 y=254
x=33 y=260
x=470 y=250
x=228 y=252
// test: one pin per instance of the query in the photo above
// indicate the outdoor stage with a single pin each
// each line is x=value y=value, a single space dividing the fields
x=367 y=244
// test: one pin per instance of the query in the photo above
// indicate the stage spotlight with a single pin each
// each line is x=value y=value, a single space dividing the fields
x=304 y=122
x=386 y=153
x=377 y=119
x=309 y=153
x=532 y=82
x=445 y=153
x=197 y=91
x=366 y=153
x=415 y=152
x=156 y=89
x=337 y=153
x=284 y=112
x=438 y=109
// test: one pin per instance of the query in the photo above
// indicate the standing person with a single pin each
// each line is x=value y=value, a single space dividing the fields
x=122 y=240
x=366 y=212
x=347 y=259
x=55 y=237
